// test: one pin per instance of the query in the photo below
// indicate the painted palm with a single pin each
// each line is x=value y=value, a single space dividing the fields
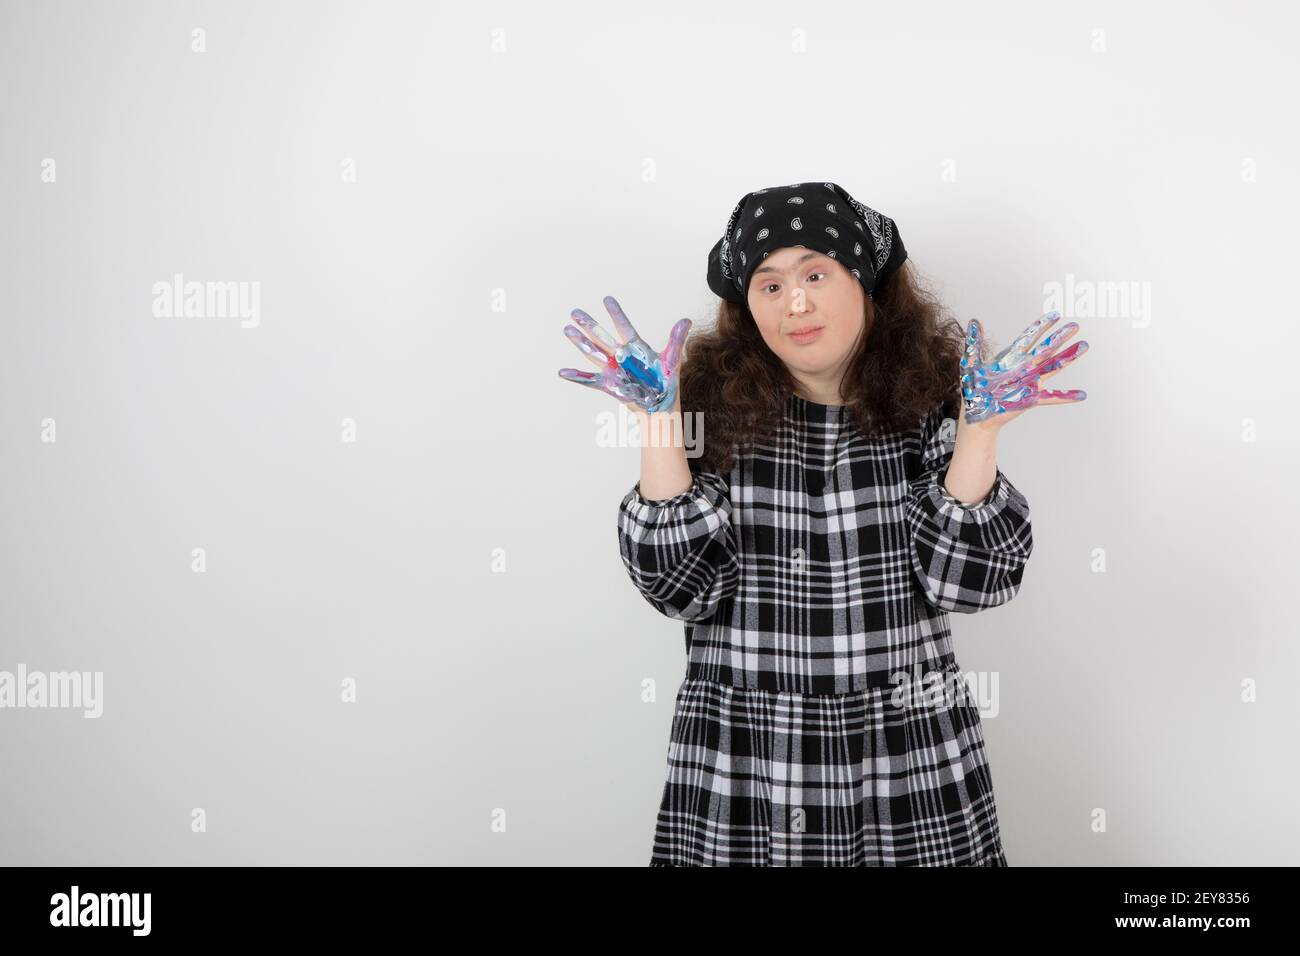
x=631 y=371
x=1009 y=382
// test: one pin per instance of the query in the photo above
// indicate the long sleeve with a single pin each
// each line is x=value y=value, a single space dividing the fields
x=681 y=552
x=966 y=557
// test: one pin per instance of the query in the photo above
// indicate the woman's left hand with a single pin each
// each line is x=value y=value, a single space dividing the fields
x=996 y=391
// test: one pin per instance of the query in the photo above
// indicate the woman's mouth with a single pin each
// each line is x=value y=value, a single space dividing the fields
x=807 y=334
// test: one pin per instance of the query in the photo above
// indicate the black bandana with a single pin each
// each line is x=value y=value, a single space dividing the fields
x=818 y=216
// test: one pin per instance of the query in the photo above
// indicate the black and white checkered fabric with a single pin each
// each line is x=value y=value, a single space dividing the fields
x=808 y=578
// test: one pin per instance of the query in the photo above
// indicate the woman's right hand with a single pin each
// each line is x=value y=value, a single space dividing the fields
x=631 y=372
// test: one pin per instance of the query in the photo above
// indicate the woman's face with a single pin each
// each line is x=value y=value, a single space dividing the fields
x=795 y=289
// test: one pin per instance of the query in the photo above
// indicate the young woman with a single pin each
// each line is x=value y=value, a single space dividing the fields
x=816 y=547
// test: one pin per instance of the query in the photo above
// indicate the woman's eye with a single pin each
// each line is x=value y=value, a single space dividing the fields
x=771 y=285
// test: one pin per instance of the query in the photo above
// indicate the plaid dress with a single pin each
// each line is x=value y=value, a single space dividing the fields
x=823 y=719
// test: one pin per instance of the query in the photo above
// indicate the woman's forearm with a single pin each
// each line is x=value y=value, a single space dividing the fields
x=664 y=471
x=974 y=465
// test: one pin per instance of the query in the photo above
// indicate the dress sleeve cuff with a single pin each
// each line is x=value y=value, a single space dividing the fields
x=641 y=506
x=945 y=504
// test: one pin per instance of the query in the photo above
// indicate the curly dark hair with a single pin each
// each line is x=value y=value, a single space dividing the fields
x=906 y=366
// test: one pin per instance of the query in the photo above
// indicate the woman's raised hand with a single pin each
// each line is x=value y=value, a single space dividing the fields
x=631 y=372
x=1008 y=384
